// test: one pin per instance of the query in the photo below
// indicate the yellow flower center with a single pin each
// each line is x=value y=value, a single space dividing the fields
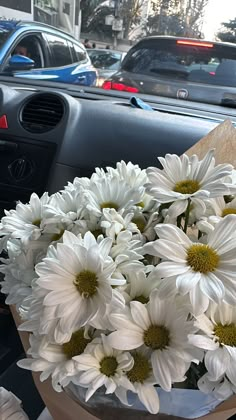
x=157 y=337
x=108 y=366
x=36 y=222
x=187 y=186
x=57 y=236
x=141 y=370
x=140 y=223
x=76 y=345
x=109 y=205
x=226 y=334
x=202 y=258
x=228 y=210
x=141 y=298
x=141 y=204
x=86 y=283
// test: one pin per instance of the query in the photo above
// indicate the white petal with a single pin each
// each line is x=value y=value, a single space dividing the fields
x=202 y=342
x=169 y=269
x=223 y=231
x=87 y=377
x=170 y=251
x=212 y=287
x=172 y=233
x=125 y=340
x=166 y=287
x=217 y=362
x=86 y=361
x=161 y=370
x=157 y=308
x=187 y=281
x=140 y=314
x=231 y=372
x=177 y=208
x=199 y=301
x=120 y=321
x=149 y=397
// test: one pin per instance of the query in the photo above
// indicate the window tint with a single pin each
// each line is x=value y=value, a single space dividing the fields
x=5 y=32
x=204 y=65
x=105 y=60
x=80 y=54
x=60 y=50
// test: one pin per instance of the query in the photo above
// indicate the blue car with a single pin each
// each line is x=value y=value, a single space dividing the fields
x=37 y=51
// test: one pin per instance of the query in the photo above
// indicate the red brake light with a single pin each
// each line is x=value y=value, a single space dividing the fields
x=194 y=43
x=107 y=85
x=119 y=86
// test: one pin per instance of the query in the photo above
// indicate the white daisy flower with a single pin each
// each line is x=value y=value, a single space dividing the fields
x=221 y=208
x=65 y=207
x=126 y=254
x=26 y=222
x=140 y=285
x=132 y=174
x=114 y=222
x=112 y=193
x=222 y=389
x=102 y=365
x=78 y=280
x=19 y=272
x=56 y=360
x=185 y=178
x=140 y=380
x=217 y=336
x=163 y=329
x=206 y=271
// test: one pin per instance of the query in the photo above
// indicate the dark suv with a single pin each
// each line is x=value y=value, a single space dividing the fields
x=181 y=68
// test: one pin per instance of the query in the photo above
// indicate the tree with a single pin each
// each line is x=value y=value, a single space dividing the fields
x=87 y=8
x=180 y=18
x=228 y=33
x=165 y=25
x=129 y=11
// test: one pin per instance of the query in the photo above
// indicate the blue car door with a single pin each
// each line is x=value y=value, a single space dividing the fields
x=62 y=64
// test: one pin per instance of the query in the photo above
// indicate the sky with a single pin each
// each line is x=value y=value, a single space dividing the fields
x=217 y=11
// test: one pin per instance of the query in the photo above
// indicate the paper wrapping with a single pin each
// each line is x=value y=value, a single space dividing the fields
x=60 y=405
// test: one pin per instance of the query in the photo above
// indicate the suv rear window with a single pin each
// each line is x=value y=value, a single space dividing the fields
x=213 y=65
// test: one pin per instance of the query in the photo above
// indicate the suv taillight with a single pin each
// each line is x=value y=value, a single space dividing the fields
x=119 y=86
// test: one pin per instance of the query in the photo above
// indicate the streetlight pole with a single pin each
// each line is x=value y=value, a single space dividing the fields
x=116 y=15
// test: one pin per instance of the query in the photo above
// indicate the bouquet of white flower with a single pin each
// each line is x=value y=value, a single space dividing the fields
x=127 y=285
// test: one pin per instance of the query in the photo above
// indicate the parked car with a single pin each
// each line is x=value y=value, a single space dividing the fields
x=38 y=51
x=182 y=68
x=107 y=62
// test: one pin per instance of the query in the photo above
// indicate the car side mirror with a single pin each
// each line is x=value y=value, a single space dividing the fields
x=20 y=62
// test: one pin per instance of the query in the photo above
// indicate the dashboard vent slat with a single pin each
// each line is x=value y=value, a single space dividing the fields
x=42 y=113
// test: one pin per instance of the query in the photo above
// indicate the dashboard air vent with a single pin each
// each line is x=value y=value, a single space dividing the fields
x=42 y=113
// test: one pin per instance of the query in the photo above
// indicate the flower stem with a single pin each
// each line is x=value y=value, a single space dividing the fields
x=187 y=216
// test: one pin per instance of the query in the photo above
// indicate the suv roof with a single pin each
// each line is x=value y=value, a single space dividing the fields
x=188 y=40
x=14 y=24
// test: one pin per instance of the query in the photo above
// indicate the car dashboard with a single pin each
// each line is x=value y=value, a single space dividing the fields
x=48 y=136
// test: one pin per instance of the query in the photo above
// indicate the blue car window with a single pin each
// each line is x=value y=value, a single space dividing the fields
x=60 y=50
x=81 y=55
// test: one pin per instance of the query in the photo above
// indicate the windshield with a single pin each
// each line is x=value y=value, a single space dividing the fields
x=182 y=49
x=105 y=60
